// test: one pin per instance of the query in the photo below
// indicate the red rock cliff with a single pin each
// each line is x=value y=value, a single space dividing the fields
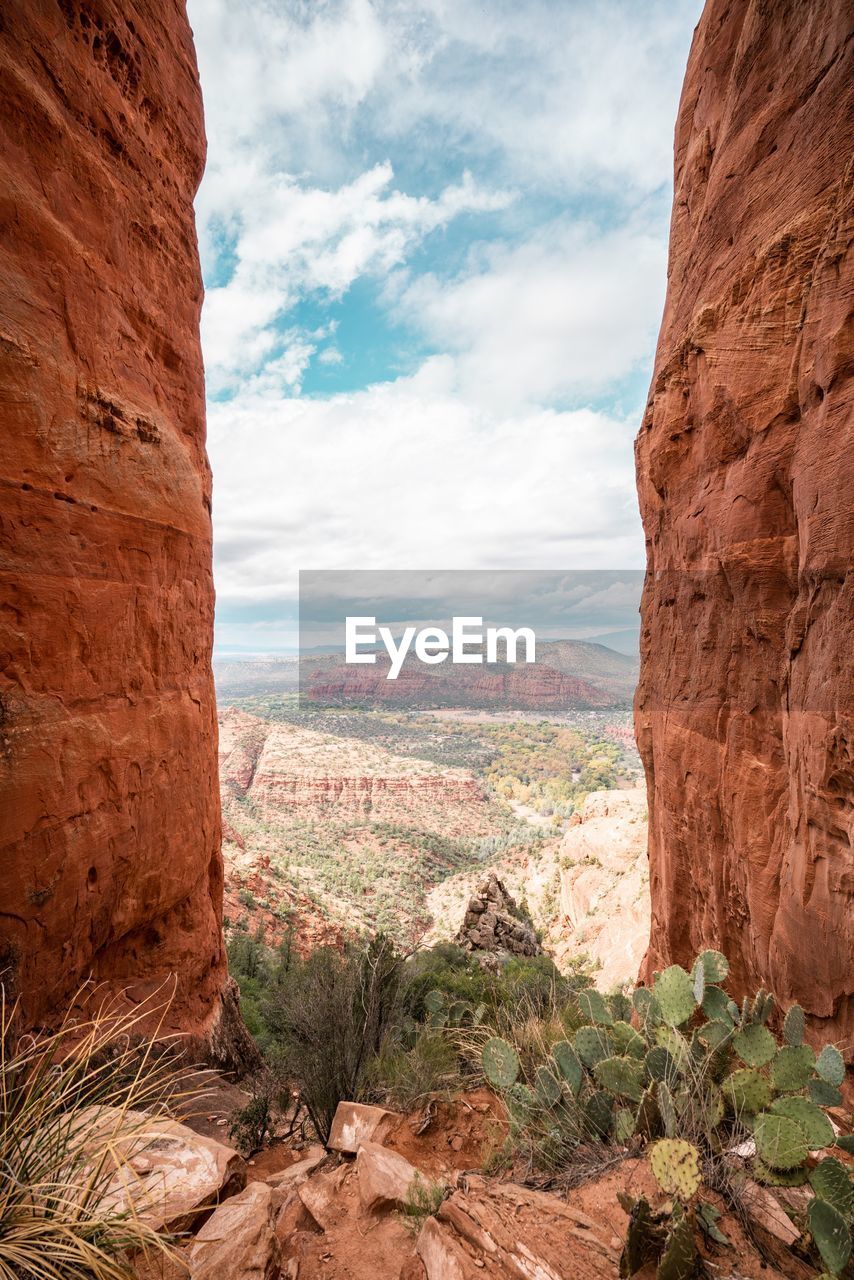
x=745 y=709
x=110 y=825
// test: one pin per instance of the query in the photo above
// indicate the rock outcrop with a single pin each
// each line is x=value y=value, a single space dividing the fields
x=109 y=808
x=745 y=459
x=493 y=924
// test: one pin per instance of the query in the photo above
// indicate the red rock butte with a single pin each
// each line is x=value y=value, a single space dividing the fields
x=110 y=823
x=745 y=460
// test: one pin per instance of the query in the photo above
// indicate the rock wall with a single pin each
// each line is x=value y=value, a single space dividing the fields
x=745 y=460
x=109 y=809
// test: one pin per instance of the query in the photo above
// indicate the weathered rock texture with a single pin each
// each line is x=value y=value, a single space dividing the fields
x=745 y=709
x=109 y=812
x=493 y=923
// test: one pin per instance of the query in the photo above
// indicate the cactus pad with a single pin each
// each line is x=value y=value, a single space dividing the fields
x=779 y=1177
x=715 y=965
x=620 y=1006
x=679 y=1259
x=500 y=1063
x=754 y=1044
x=667 y=1110
x=715 y=1033
x=546 y=1087
x=794 y=1025
x=568 y=1065
x=746 y=1091
x=627 y=1041
x=648 y=1119
x=698 y=979
x=593 y=1007
x=434 y=1001
x=792 y=1068
x=831 y=1065
x=599 y=1110
x=831 y=1234
x=832 y=1181
x=592 y=1044
x=676 y=1166
x=674 y=993
x=716 y=1004
x=622 y=1076
x=817 y=1128
x=624 y=1125
x=780 y=1142
x=660 y=1065
x=824 y=1094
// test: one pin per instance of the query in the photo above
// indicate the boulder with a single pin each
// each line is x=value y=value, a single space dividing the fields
x=321 y=1196
x=170 y=1175
x=355 y=1123
x=384 y=1178
x=295 y=1174
x=494 y=924
x=238 y=1241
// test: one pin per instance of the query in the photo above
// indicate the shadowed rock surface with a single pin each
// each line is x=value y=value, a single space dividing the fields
x=745 y=459
x=109 y=807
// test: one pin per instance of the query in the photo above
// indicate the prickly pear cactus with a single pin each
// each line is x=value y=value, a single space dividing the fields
x=547 y=1087
x=599 y=1112
x=648 y=1122
x=667 y=1109
x=592 y=1044
x=831 y=1065
x=679 y=1259
x=794 y=1025
x=824 y=1094
x=780 y=1142
x=594 y=1008
x=500 y=1063
x=674 y=992
x=715 y=966
x=716 y=1004
x=568 y=1065
x=818 y=1130
x=660 y=1065
x=792 y=1068
x=434 y=1002
x=627 y=1041
x=755 y=1045
x=676 y=1167
x=622 y=1076
x=831 y=1234
x=779 y=1177
x=746 y=1091
x=832 y=1182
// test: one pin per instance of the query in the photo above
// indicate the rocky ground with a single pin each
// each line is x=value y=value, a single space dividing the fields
x=404 y=1197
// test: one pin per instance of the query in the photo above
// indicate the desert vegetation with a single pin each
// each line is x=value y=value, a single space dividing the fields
x=716 y=1099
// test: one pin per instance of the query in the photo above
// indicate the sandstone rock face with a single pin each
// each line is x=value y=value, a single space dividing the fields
x=604 y=885
x=492 y=923
x=745 y=708
x=109 y=811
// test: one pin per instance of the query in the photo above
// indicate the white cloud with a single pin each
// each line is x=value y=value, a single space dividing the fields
x=409 y=475
x=291 y=241
x=566 y=312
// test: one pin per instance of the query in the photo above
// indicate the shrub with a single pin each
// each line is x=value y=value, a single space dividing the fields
x=252 y=1125
x=70 y=1098
x=328 y=1021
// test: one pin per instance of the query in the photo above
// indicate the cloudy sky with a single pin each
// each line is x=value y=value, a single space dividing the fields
x=433 y=236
